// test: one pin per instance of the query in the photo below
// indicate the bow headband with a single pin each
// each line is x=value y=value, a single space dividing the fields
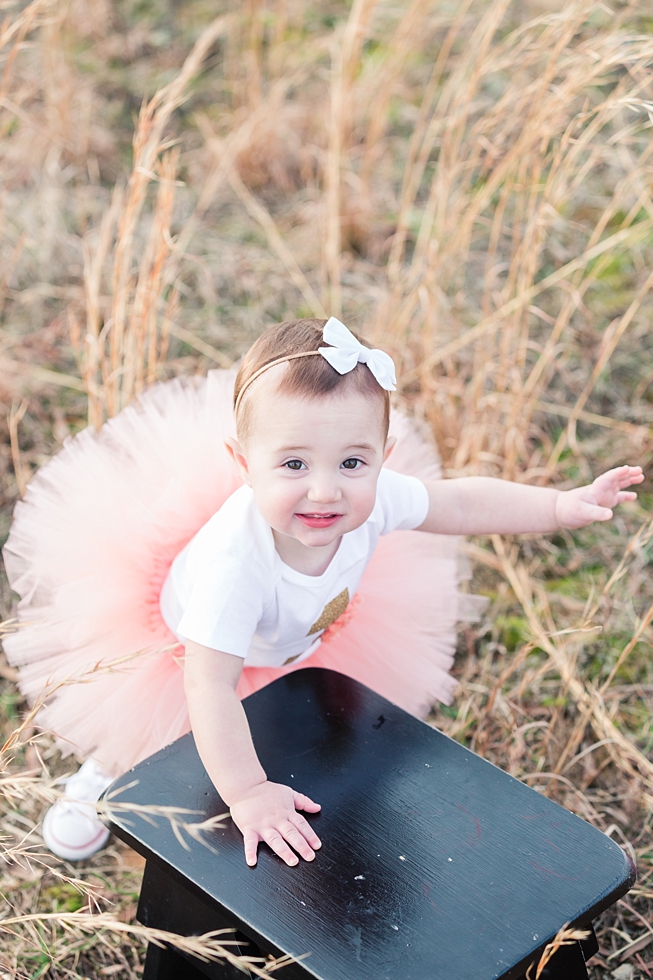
x=344 y=354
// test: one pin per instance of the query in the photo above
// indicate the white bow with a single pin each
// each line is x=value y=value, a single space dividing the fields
x=347 y=352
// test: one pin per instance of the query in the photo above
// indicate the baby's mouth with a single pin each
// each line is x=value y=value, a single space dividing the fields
x=318 y=520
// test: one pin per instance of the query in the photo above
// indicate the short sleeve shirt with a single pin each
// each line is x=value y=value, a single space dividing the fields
x=229 y=590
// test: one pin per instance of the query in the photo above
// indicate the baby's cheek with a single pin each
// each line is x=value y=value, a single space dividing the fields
x=363 y=500
x=272 y=502
x=283 y=502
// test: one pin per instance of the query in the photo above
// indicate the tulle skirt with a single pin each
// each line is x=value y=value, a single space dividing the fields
x=91 y=545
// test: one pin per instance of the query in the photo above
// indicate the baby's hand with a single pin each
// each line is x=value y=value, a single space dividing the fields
x=268 y=812
x=575 y=508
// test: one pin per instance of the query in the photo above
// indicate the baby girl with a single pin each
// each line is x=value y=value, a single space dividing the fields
x=257 y=586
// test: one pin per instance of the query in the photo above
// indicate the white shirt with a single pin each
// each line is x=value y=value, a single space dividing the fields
x=229 y=590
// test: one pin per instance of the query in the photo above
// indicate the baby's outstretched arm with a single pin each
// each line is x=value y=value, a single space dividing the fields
x=482 y=505
x=262 y=810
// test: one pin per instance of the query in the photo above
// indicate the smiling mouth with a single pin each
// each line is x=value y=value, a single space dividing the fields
x=318 y=520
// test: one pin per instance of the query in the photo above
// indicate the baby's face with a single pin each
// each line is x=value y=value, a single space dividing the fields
x=313 y=463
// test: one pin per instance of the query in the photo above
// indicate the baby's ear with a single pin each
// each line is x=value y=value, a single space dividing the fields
x=235 y=450
x=390 y=444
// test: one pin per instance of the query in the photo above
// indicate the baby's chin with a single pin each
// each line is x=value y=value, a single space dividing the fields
x=317 y=537
x=314 y=537
x=322 y=537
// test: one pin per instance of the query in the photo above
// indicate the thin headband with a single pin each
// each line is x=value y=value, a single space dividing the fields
x=343 y=355
x=262 y=370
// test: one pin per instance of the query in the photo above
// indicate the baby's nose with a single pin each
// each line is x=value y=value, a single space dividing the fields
x=324 y=491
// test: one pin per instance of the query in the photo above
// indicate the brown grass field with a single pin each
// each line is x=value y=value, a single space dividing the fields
x=468 y=183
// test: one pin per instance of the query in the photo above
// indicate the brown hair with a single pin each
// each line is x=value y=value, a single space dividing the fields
x=312 y=377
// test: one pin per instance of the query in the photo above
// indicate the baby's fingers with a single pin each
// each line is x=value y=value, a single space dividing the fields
x=592 y=512
x=304 y=827
x=273 y=839
x=297 y=840
x=305 y=803
x=623 y=496
x=251 y=846
x=622 y=476
x=628 y=475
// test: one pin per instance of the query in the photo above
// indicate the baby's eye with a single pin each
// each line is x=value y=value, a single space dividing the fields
x=352 y=463
x=294 y=464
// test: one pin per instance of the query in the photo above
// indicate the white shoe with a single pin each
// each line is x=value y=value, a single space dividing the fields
x=71 y=828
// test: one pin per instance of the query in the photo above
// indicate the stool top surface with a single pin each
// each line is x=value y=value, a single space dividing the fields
x=435 y=864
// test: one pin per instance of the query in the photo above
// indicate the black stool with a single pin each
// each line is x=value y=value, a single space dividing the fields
x=435 y=864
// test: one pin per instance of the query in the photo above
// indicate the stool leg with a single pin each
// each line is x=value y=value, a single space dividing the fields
x=567 y=964
x=167 y=964
x=589 y=945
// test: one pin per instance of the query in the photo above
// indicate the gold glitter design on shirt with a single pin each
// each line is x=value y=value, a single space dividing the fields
x=331 y=612
x=290 y=660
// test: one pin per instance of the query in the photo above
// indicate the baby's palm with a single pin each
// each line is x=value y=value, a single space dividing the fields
x=575 y=508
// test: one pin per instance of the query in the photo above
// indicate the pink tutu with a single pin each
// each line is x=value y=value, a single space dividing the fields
x=92 y=543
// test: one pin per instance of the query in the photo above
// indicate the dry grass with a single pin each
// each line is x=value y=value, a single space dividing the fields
x=471 y=185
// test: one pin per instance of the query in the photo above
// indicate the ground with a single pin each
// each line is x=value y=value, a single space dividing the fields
x=468 y=185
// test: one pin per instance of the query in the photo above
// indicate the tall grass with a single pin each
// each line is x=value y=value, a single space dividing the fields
x=468 y=184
